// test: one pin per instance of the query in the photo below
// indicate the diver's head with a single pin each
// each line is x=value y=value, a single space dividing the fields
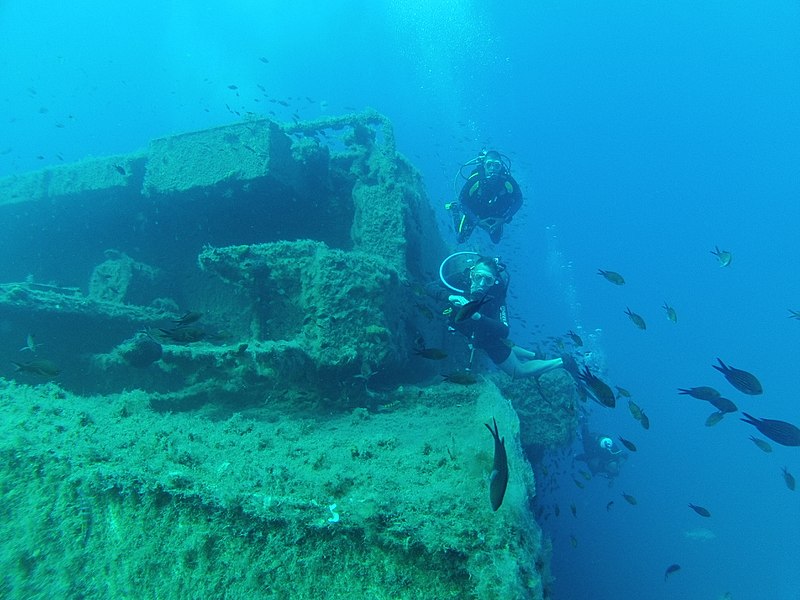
x=606 y=443
x=493 y=164
x=483 y=276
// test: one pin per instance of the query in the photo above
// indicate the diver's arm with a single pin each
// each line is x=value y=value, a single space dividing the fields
x=494 y=327
x=515 y=201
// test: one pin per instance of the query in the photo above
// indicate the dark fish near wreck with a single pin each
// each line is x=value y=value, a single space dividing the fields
x=781 y=432
x=622 y=392
x=461 y=378
x=630 y=499
x=645 y=421
x=636 y=319
x=612 y=276
x=703 y=512
x=598 y=389
x=762 y=444
x=703 y=392
x=628 y=444
x=470 y=308
x=723 y=405
x=184 y=335
x=431 y=353
x=789 y=479
x=714 y=418
x=670 y=570
x=745 y=382
x=576 y=339
x=498 y=480
x=41 y=368
x=188 y=318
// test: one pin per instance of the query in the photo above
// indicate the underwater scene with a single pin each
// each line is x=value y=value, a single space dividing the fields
x=400 y=300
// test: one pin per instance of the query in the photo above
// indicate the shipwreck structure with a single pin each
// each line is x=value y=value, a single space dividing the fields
x=211 y=385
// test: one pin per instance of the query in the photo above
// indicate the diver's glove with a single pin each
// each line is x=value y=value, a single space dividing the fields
x=457 y=300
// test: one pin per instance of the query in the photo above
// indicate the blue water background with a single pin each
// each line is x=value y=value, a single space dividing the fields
x=643 y=133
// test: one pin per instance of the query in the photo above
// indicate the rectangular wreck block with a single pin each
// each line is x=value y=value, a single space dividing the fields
x=205 y=159
x=76 y=180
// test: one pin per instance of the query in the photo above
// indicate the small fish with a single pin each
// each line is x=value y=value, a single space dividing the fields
x=233 y=87
x=723 y=405
x=671 y=314
x=30 y=344
x=745 y=382
x=578 y=484
x=795 y=314
x=789 y=479
x=645 y=421
x=585 y=474
x=573 y=541
x=183 y=335
x=723 y=256
x=762 y=444
x=782 y=432
x=630 y=499
x=431 y=353
x=470 y=308
x=612 y=276
x=574 y=509
x=40 y=367
x=670 y=570
x=576 y=339
x=714 y=418
x=703 y=392
x=622 y=392
x=188 y=318
x=498 y=480
x=703 y=512
x=628 y=444
x=636 y=412
x=461 y=378
x=609 y=505
x=121 y=170
x=263 y=59
x=636 y=319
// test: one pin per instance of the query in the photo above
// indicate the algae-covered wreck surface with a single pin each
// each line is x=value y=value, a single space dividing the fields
x=217 y=394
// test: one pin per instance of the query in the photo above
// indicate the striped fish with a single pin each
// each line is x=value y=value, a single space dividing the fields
x=745 y=382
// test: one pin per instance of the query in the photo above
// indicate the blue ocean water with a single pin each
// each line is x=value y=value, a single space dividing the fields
x=643 y=134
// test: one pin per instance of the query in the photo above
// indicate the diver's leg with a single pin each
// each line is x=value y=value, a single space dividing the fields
x=531 y=368
x=523 y=353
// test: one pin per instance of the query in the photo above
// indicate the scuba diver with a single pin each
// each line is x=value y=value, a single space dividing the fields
x=478 y=287
x=601 y=454
x=489 y=198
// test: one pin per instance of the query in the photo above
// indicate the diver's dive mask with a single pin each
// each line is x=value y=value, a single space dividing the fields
x=492 y=167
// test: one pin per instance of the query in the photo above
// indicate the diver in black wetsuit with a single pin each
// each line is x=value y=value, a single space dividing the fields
x=489 y=198
x=487 y=328
x=601 y=454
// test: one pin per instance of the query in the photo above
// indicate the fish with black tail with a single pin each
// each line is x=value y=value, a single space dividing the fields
x=670 y=570
x=703 y=512
x=781 y=432
x=745 y=382
x=498 y=480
